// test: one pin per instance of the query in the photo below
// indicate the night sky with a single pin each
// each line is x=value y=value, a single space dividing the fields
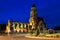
x=19 y=10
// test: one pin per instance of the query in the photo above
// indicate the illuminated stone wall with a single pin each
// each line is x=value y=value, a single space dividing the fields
x=8 y=27
x=17 y=27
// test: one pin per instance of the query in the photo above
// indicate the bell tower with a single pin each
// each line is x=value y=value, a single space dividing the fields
x=33 y=16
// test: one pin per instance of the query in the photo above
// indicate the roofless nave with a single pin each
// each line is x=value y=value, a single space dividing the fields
x=34 y=23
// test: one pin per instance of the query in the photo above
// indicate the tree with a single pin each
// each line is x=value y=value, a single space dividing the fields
x=37 y=31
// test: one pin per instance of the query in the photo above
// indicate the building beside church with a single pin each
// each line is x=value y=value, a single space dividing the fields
x=33 y=23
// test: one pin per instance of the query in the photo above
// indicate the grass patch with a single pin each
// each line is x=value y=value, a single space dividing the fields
x=56 y=35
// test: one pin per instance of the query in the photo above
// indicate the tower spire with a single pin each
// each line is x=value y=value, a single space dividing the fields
x=33 y=16
x=33 y=5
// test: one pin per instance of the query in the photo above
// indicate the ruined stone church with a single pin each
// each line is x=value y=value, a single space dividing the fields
x=33 y=23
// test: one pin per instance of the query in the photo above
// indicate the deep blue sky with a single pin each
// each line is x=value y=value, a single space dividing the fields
x=19 y=10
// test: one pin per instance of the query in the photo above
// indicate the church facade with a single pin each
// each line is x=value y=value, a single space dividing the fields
x=34 y=22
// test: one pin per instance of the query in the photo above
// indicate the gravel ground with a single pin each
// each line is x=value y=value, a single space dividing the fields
x=22 y=38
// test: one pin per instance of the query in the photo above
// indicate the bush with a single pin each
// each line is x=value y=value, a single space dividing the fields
x=51 y=31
